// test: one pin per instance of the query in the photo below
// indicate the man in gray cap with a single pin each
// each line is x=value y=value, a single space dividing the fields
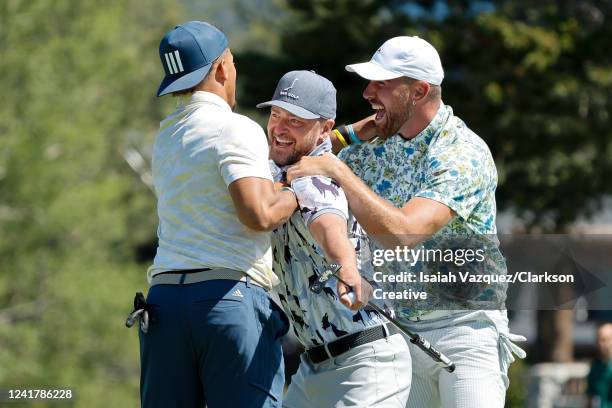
x=353 y=357
x=214 y=337
x=426 y=177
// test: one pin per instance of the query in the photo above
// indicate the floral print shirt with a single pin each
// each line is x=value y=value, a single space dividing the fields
x=448 y=163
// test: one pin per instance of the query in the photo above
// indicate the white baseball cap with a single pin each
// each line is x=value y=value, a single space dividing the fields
x=411 y=57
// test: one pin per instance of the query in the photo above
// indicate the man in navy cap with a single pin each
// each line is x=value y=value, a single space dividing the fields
x=215 y=336
x=353 y=357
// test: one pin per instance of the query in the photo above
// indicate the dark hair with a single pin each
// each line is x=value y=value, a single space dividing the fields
x=191 y=90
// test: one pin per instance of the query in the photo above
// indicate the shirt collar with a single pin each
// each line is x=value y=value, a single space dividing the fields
x=207 y=97
x=432 y=129
x=444 y=112
x=324 y=147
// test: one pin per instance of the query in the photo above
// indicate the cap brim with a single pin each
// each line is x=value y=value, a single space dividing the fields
x=169 y=84
x=372 y=71
x=296 y=110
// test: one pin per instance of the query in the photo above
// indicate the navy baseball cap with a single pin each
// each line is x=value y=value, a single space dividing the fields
x=305 y=94
x=187 y=53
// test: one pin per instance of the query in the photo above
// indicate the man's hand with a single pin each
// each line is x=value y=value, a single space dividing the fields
x=367 y=291
x=365 y=128
x=279 y=185
x=350 y=275
x=326 y=165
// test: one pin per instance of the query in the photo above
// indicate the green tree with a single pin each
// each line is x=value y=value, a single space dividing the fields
x=78 y=81
x=533 y=81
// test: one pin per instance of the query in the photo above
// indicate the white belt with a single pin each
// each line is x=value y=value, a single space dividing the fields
x=435 y=314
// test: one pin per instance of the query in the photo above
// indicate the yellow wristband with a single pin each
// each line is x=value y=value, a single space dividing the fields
x=340 y=137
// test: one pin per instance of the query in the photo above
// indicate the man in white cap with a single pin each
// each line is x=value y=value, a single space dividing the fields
x=354 y=357
x=427 y=177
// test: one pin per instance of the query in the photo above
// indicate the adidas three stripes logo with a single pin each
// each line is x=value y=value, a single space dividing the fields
x=173 y=62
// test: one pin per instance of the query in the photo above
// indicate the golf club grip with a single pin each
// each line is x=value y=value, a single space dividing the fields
x=438 y=357
x=416 y=339
x=419 y=341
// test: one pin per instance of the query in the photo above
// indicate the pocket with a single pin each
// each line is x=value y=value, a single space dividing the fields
x=220 y=304
x=391 y=349
x=272 y=399
x=282 y=324
x=355 y=355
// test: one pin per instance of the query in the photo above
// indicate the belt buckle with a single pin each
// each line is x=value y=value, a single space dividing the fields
x=329 y=354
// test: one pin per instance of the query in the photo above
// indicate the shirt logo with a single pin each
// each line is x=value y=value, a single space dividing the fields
x=323 y=188
x=238 y=293
x=175 y=65
x=285 y=91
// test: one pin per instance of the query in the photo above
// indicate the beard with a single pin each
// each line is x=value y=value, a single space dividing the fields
x=395 y=117
x=286 y=160
x=286 y=157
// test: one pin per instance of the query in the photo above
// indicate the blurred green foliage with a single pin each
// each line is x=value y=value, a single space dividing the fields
x=516 y=396
x=78 y=81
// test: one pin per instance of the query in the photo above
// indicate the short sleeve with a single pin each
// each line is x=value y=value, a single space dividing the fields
x=318 y=195
x=459 y=177
x=243 y=151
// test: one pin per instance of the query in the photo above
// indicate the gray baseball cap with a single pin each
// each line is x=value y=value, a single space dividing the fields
x=305 y=94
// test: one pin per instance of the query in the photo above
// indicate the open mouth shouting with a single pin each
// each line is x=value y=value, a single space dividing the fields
x=280 y=143
x=380 y=113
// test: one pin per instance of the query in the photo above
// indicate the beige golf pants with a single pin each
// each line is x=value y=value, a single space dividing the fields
x=481 y=347
x=375 y=375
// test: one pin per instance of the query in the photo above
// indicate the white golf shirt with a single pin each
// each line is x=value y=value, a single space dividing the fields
x=200 y=149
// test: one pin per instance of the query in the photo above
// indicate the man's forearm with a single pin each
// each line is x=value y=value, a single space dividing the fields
x=330 y=231
x=281 y=209
x=378 y=217
x=259 y=206
x=389 y=226
x=334 y=242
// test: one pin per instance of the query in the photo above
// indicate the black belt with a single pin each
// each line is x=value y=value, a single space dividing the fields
x=332 y=349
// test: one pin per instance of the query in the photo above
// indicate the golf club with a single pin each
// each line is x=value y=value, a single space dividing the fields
x=415 y=338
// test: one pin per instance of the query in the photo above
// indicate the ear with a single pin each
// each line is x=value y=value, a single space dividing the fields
x=221 y=69
x=420 y=90
x=326 y=129
x=328 y=126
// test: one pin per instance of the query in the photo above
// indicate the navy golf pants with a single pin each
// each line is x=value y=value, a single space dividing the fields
x=216 y=342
